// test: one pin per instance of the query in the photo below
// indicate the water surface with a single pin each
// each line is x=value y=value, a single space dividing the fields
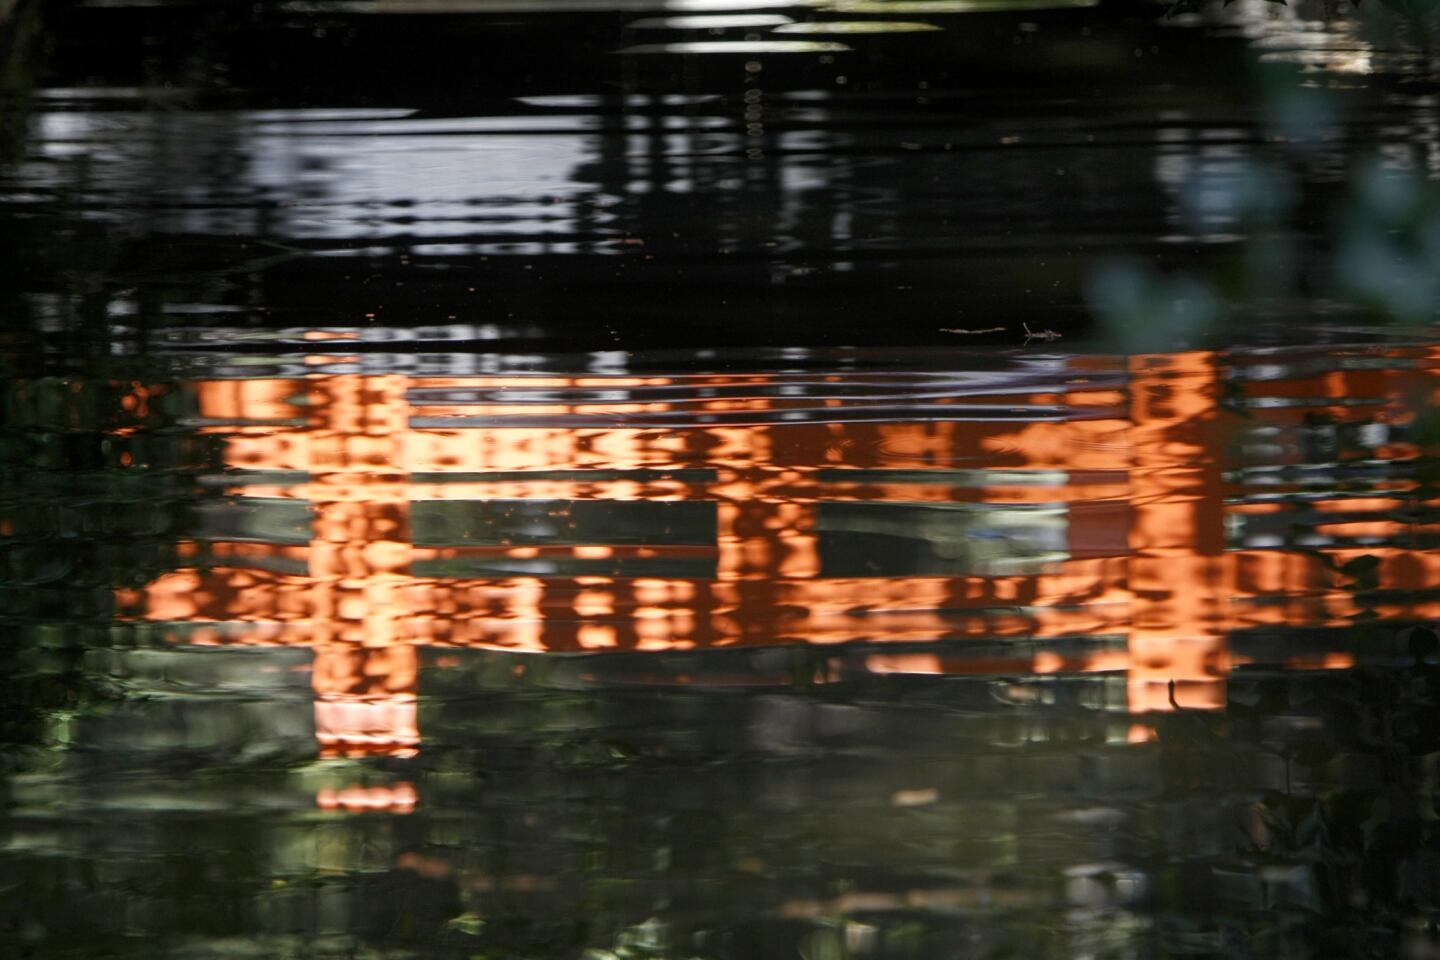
x=488 y=479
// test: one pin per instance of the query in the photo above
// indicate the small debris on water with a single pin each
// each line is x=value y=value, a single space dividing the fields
x=1039 y=334
x=915 y=798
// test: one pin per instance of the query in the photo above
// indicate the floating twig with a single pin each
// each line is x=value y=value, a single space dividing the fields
x=1039 y=334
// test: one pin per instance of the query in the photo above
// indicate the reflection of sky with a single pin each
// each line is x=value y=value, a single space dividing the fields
x=779 y=171
x=824 y=173
x=328 y=174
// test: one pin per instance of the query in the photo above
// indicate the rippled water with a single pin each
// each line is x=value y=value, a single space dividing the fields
x=509 y=479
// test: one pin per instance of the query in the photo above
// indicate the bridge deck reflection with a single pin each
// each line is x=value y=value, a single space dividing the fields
x=1118 y=501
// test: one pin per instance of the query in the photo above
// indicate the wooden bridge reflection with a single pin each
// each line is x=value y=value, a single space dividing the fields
x=378 y=514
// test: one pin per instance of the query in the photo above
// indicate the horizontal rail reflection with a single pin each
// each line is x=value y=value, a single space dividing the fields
x=1138 y=499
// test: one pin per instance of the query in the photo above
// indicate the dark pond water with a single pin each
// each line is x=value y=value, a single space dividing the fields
x=507 y=479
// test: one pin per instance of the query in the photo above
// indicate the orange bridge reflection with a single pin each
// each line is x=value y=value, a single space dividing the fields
x=373 y=514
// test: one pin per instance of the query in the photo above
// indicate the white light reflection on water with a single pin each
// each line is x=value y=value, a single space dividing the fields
x=952 y=6
x=737 y=46
x=1306 y=35
x=858 y=26
x=737 y=22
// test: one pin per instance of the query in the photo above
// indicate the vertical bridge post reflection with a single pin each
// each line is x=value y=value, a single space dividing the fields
x=1078 y=499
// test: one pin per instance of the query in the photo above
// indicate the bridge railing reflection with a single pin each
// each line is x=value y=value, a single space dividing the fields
x=375 y=514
